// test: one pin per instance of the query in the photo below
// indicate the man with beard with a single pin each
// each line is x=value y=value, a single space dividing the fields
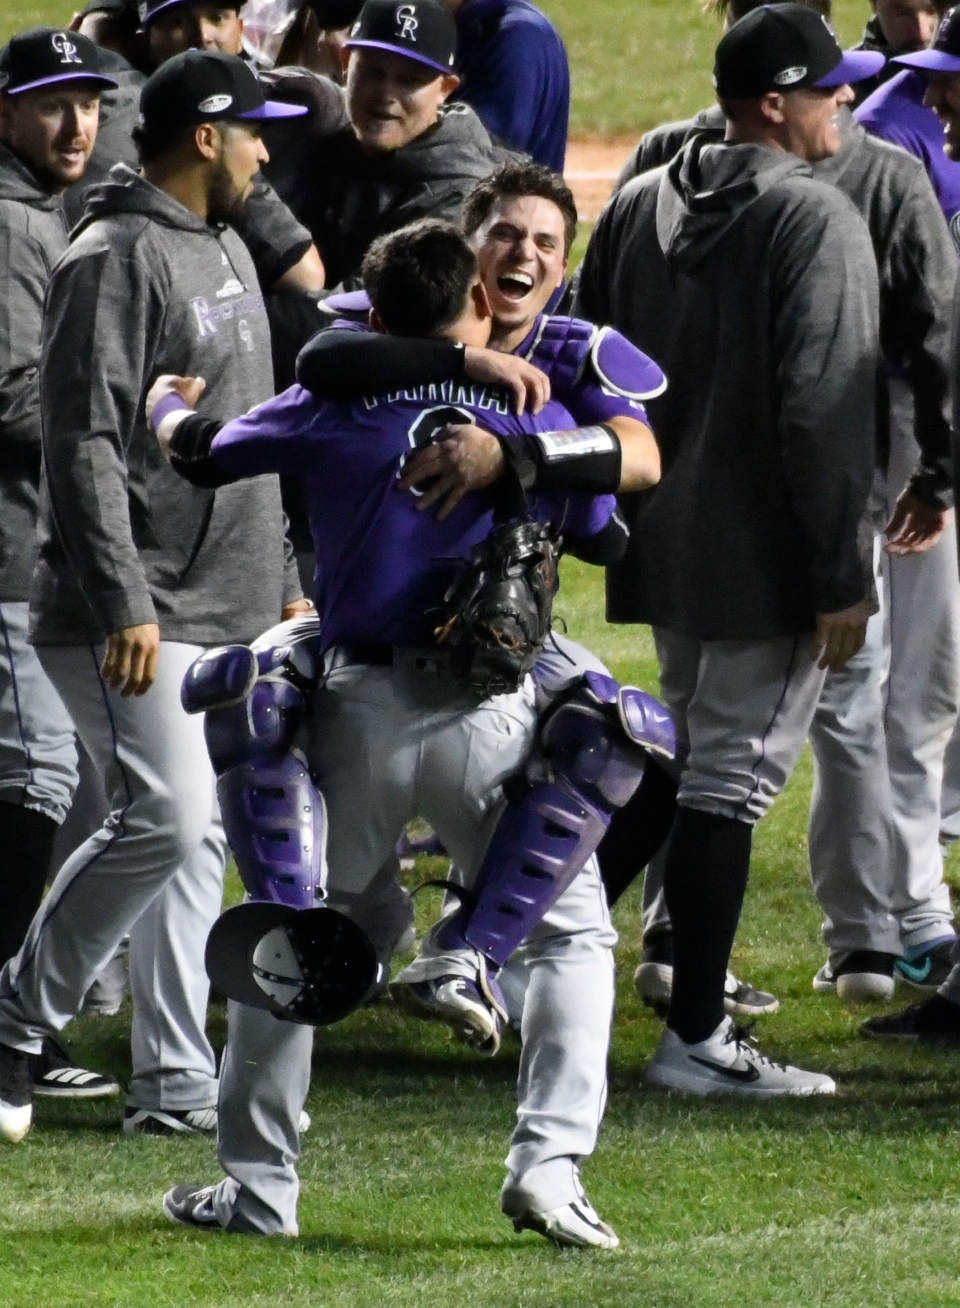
x=139 y=572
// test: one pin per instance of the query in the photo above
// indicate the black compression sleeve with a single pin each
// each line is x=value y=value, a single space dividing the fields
x=343 y=365
x=190 y=452
x=603 y=548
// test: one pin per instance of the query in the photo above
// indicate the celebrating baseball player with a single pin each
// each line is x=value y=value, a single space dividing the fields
x=394 y=731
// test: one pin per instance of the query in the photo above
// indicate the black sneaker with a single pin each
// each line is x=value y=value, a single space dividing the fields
x=864 y=976
x=56 y=1075
x=192 y=1205
x=934 y=1021
x=16 y=1094
x=169 y=1121
x=928 y=970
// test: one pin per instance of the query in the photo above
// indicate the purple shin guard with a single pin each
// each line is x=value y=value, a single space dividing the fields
x=544 y=840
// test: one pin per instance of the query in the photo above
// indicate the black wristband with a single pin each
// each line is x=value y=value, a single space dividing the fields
x=189 y=452
x=585 y=460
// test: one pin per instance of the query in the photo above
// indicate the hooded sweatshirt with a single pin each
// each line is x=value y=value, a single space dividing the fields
x=917 y=265
x=149 y=288
x=33 y=235
x=755 y=289
x=358 y=197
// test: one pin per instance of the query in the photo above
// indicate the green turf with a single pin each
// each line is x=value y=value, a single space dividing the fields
x=840 y=1203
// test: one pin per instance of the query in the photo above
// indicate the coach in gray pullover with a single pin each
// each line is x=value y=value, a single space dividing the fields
x=755 y=288
x=138 y=573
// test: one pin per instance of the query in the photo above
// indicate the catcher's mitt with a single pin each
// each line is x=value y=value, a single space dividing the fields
x=498 y=611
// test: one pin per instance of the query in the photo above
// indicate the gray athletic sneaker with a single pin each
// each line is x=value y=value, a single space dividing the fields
x=728 y=1062
x=653 y=981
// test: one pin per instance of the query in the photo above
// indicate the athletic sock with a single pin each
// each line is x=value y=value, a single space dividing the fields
x=637 y=831
x=708 y=861
x=26 y=844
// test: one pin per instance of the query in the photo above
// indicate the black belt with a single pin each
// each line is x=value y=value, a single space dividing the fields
x=374 y=652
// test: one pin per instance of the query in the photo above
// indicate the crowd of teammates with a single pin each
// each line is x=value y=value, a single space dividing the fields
x=287 y=339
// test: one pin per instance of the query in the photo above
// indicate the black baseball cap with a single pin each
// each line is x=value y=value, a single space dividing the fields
x=149 y=9
x=46 y=55
x=423 y=30
x=944 y=55
x=783 y=47
x=204 y=86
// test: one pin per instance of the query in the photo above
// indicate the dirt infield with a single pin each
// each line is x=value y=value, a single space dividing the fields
x=592 y=166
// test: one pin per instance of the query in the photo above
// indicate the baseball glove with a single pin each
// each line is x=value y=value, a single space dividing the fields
x=498 y=611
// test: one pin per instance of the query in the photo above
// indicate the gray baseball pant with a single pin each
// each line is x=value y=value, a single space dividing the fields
x=38 y=757
x=386 y=745
x=154 y=870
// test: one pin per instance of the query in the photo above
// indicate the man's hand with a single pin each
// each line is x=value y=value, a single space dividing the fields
x=130 y=662
x=295 y=608
x=527 y=384
x=915 y=527
x=463 y=458
x=840 y=635
x=188 y=388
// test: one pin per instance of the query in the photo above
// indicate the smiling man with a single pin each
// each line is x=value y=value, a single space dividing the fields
x=405 y=153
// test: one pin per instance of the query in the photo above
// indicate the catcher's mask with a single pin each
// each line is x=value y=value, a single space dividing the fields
x=312 y=965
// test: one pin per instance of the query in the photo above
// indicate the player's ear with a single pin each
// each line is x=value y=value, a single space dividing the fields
x=376 y=322
x=481 y=300
x=448 y=84
x=208 y=141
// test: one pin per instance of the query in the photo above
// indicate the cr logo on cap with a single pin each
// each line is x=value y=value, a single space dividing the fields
x=407 y=22
x=791 y=75
x=65 y=48
x=215 y=104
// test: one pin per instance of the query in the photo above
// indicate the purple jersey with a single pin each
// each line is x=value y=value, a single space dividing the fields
x=896 y=113
x=382 y=566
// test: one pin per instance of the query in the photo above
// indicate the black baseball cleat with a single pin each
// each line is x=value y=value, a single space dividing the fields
x=933 y=1021
x=56 y=1075
x=169 y=1121
x=864 y=976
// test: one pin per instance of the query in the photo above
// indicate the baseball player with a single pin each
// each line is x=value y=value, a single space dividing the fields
x=50 y=87
x=394 y=733
x=882 y=723
x=137 y=573
x=745 y=557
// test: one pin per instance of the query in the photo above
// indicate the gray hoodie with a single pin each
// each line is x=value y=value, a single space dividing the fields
x=755 y=288
x=916 y=260
x=148 y=288
x=33 y=235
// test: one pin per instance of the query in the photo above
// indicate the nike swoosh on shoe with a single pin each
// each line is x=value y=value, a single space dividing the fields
x=746 y=1074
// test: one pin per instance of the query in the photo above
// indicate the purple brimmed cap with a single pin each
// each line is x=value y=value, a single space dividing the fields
x=148 y=9
x=944 y=55
x=47 y=55
x=784 y=47
x=204 y=86
x=423 y=30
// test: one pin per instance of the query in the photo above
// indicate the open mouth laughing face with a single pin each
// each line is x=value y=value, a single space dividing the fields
x=522 y=257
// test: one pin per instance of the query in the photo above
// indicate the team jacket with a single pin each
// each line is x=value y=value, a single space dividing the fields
x=515 y=75
x=382 y=567
x=917 y=266
x=755 y=289
x=33 y=235
x=356 y=197
x=148 y=288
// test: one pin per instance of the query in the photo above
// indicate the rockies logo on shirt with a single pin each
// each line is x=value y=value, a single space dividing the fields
x=65 y=48
x=407 y=22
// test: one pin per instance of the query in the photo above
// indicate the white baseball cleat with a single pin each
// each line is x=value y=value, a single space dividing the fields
x=728 y=1062
x=575 y=1224
x=16 y=1094
x=474 y=1008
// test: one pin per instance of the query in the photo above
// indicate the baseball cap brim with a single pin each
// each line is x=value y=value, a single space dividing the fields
x=275 y=109
x=855 y=66
x=930 y=61
x=406 y=54
x=170 y=4
x=65 y=77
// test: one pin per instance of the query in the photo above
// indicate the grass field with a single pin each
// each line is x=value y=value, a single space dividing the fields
x=843 y=1203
